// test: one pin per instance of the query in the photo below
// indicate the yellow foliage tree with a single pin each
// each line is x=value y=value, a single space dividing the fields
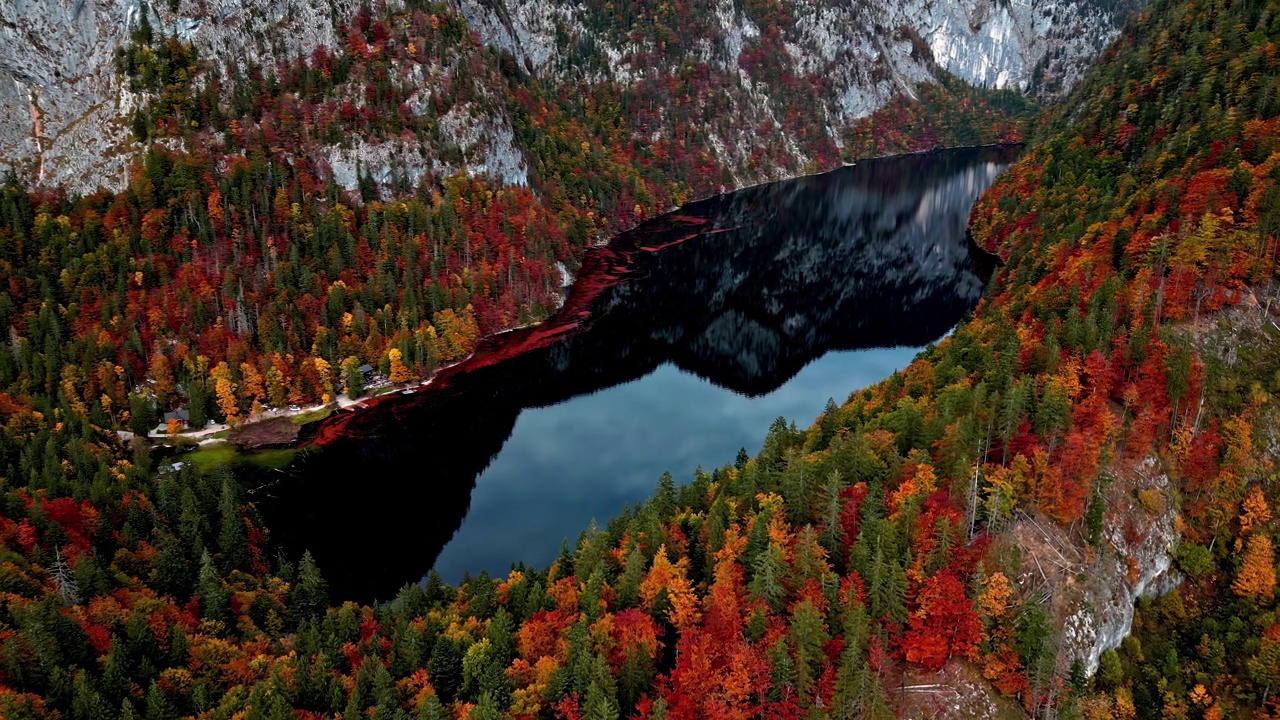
x=225 y=390
x=72 y=387
x=1254 y=511
x=996 y=591
x=1257 y=578
x=674 y=579
x=921 y=483
x=161 y=373
x=276 y=390
x=251 y=387
x=399 y=373
x=457 y=333
x=326 y=379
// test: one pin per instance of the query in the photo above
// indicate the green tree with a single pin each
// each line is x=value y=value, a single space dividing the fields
x=215 y=601
x=142 y=414
x=445 y=668
x=808 y=635
x=352 y=378
x=310 y=594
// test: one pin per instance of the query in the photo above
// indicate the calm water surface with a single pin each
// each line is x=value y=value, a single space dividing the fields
x=584 y=459
x=680 y=343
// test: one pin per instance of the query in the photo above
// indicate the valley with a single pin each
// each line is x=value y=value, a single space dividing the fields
x=1060 y=504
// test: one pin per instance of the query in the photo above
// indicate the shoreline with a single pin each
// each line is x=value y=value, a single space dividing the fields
x=603 y=266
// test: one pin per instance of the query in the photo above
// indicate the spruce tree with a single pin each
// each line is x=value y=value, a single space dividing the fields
x=445 y=668
x=215 y=602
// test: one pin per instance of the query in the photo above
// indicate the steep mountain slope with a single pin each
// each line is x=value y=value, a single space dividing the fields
x=406 y=191
x=867 y=50
x=66 y=115
x=1141 y=237
x=64 y=107
x=1120 y=375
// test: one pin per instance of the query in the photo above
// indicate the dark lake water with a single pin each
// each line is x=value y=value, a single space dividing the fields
x=584 y=459
x=680 y=343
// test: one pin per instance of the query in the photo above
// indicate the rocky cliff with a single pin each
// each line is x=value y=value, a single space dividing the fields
x=1040 y=46
x=1094 y=591
x=64 y=109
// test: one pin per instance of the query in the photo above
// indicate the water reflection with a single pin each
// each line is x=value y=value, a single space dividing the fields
x=742 y=290
x=598 y=452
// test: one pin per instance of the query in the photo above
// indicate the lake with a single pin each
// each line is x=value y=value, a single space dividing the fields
x=585 y=458
x=678 y=344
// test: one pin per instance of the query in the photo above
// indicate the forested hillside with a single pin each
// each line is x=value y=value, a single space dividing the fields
x=241 y=275
x=764 y=87
x=1123 y=366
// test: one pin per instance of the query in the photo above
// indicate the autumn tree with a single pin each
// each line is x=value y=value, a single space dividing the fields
x=324 y=377
x=251 y=387
x=668 y=584
x=1257 y=576
x=399 y=373
x=276 y=388
x=162 y=382
x=224 y=389
x=1254 y=511
x=943 y=625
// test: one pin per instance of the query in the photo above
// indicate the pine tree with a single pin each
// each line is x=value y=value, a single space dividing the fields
x=171 y=572
x=432 y=709
x=632 y=575
x=767 y=583
x=828 y=423
x=601 y=697
x=158 y=705
x=309 y=596
x=445 y=668
x=808 y=635
x=232 y=538
x=833 y=506
x=887 y=584
x=215 y=601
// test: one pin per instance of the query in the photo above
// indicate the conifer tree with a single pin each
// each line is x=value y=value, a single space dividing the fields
x=215 y=602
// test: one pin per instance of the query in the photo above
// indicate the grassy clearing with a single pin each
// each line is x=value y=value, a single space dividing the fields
x=271 y=459
x=210 y=456
x=207 y=457
x=311 y=416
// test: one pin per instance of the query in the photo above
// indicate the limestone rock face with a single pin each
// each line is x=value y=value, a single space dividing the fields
x=866 y=46
x=1092 y=595
x=64 y=110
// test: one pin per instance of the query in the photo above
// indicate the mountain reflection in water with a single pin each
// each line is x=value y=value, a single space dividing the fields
x=742 y=290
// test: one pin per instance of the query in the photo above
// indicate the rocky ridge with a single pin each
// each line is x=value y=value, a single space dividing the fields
x=870 y=50
x=64 y=109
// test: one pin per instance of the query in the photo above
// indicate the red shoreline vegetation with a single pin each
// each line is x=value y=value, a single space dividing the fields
x=237 y=276
x=602 y=268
